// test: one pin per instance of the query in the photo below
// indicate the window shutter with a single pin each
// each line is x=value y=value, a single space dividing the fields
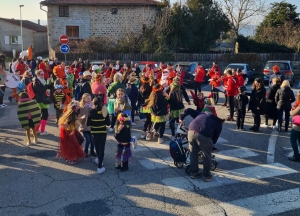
x=6 y=39
x=20 y=40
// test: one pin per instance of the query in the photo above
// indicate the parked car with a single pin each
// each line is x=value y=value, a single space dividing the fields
x=285 y=70
x=242 y=66
x=189 y=69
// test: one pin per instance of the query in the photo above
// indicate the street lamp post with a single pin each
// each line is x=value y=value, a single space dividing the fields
x=21 y=26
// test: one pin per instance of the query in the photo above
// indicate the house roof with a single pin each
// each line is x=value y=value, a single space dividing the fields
x=26 y=24
x=101 y=2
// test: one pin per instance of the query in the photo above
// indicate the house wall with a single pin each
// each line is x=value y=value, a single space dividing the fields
x=7 y=29
x=98 y=21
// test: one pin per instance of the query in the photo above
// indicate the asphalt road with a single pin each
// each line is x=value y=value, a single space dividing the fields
x=253 y=177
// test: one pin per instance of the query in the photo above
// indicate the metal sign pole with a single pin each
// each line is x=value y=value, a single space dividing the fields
x=65 y=58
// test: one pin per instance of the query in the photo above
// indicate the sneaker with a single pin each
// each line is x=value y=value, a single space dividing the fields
x=135 y=141
x=34 y=141
x=28 y=143
x=111 y=130
x=100 y=170
x=133 y=124
x=143 y=135
x=264 y=125
x=44 y=133
x=9 y=98
x=160 y=141
x=273 y=127
x=148 y=137
x=96 y=161
x=208 y=178
x=198 y=175
x=1 y=106
x=293 y=158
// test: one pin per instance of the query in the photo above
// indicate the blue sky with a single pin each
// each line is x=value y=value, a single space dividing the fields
x=31 y=10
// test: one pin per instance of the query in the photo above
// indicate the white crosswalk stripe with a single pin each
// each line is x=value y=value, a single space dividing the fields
x=268 y=204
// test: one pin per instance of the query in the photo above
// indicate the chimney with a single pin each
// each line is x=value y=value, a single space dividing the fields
x=39 y=22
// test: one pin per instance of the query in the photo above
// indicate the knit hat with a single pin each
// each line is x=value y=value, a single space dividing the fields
x=58 y=87
x=95 y=67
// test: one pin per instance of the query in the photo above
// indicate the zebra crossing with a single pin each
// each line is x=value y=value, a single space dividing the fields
x=253 y=173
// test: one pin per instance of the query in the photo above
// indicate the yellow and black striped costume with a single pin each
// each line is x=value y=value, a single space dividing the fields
x=35 y=112
x=58 y=97
x=97 y=122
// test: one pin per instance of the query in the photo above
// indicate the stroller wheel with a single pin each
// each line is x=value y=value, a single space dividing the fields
x=187 y=169
x=178 y=164
x=214 y=164
x=200 y=158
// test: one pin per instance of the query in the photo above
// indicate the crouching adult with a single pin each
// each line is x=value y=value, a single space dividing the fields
x=203 y=132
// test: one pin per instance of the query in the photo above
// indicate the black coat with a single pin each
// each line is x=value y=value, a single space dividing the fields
x=160 y=107
x=258 y=99
x=270 y=102
x=39 y=90
x=85 y=88
x=284 y=98
x=174 y=103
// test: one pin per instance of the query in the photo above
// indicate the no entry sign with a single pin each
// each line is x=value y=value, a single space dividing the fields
x=64 y=39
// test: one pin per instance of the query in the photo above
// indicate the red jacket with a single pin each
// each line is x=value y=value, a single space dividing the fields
x=216 y=80
x=110 y=72
x=172 y=74
x=21 y=68
x=75 y=72
x=240 y=80
x=43 y=67
x=231 y=86
x=213 y=70
x=199 y=74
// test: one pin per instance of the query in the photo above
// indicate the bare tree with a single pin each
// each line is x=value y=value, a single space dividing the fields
x=241 y=12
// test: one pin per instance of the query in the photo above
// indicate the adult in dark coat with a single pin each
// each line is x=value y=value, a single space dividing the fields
x=86 y=84
x=133 y=96
x=257 y=102
x=271 y=104
x=284 y=98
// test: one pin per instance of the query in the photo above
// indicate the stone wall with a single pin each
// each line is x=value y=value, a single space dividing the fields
x=98 y=21
x=40 y=43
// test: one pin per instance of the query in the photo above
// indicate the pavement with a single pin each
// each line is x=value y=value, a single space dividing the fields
x=253 y=176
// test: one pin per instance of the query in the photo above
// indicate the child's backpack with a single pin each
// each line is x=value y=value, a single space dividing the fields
x=30 y=90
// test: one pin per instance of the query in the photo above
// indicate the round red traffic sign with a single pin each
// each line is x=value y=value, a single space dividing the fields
x=64 y=39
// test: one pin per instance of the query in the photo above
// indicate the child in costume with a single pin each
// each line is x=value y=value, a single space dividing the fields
x=15 y=90
x=198 y=100
x=70 y=78
x=121 y=105
x=70 y=139
x=85 y=108
x=98 y=119
x=176 y=105
x=29 y=115
x=123 y=136
x=208 y=106
x=158 y=101
x=59 y=100
x=240 y=102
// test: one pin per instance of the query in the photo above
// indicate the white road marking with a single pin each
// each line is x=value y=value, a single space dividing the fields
x=154 y=163
x=248 y=174
x=268 y=204
x=271 y=147
x=221 y=140
x=235 y=153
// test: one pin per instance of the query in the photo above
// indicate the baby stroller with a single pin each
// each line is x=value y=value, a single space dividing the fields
x=179 y=150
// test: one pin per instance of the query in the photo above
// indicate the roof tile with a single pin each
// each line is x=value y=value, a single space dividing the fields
x=26 y=24
x=102 y=2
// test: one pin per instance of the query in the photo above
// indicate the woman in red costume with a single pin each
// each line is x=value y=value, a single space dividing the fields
x=70 y=142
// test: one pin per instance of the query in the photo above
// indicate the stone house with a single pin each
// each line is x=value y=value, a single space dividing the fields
x=81 y=19
x=34 y=35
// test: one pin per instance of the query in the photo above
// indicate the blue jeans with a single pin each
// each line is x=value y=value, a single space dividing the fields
x=287 y=117
x=88 y=140
x=295 y=135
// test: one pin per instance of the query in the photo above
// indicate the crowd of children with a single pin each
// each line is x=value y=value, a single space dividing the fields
x=114 y=95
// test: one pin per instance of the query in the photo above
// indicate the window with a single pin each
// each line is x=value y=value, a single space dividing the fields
x=114 y=11
x=64 y=11
x=13 y=39
x=72 y=31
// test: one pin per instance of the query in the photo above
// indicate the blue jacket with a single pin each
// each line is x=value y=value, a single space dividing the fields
x=207 y=125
